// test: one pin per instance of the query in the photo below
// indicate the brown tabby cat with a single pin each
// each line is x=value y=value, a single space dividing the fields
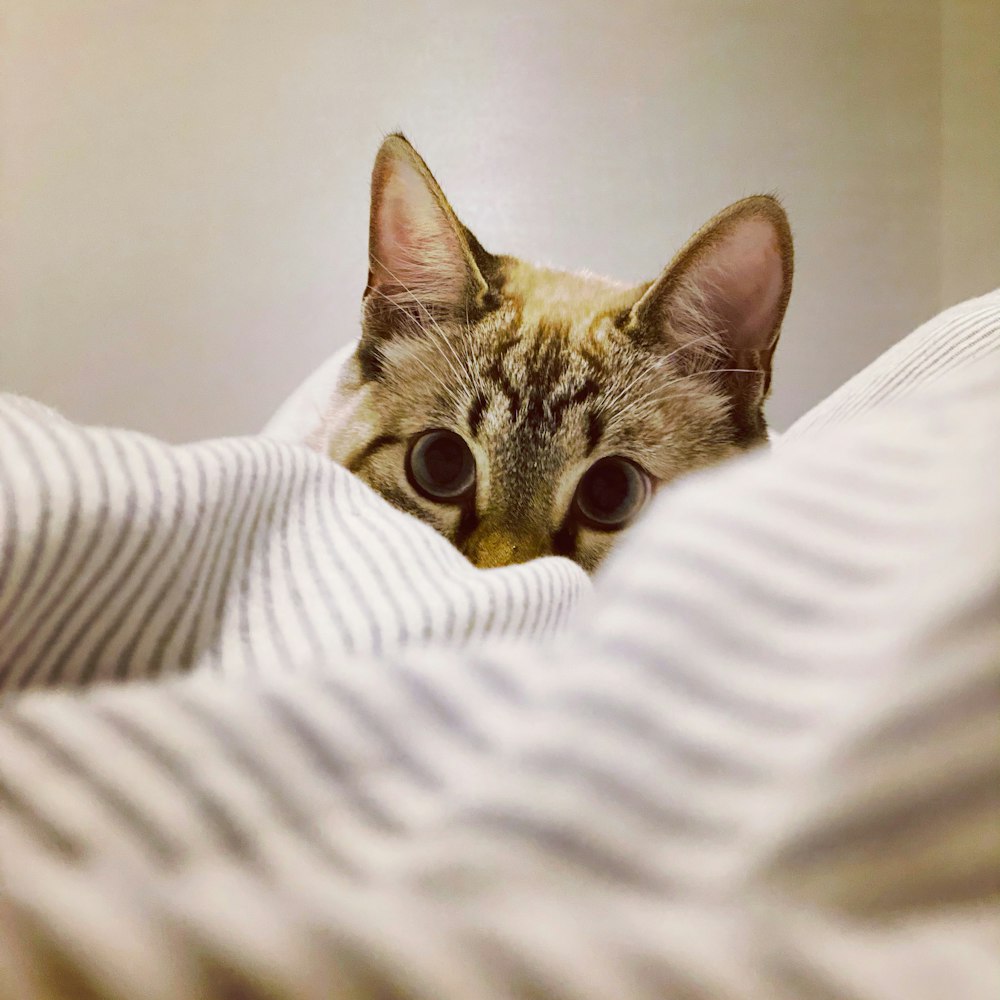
x=523 y=411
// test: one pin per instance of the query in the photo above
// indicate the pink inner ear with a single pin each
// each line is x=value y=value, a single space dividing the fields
x=741 y=280
x=413 y=240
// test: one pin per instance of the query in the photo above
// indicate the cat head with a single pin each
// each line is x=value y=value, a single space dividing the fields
x=523 y=411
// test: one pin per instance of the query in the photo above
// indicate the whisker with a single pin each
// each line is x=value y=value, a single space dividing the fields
x=435 y=377
x=475 y=367
x=442 y=335
x=430 y=333
x=656 y=366
x=635 y=404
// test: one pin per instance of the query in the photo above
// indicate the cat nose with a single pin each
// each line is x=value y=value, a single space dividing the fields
x=491 y=548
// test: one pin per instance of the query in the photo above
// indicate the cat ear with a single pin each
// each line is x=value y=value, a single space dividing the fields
x=720 y=303
x=418 y=251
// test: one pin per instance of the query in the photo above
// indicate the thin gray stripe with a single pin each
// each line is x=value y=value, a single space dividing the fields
x=873 y=390
x=963 y=341
x=186 y=601
x=654 y=663
x=61 y=595
x=667 y=737
x=171 y=545
x=508 y=591
x=546 y=583
x=347 y=700
x=922 y=358
x=559 y=586
x=10 y=529
x=130 y=574
x=755 y=537
x=124 y=810
x=341 y=568
x=436 y=565
x=438 y=708
x=519 y=586
x=242 y=750
x=61 y=655
x=275 y=482
x=397 y=559
x=228 y=830
x=297 y=499
x=43 y=829
x=534 y=603
x=36 y=616
x=562 y=588
x=243 y=554
x=354 y=500
x=491 y=607
x=126 y=574
x=324 y=758
x=613 y=788
x=497 y=680
x=308 y=526
x=341 y=538
x=222 y=570
x=733 y=638
x=569 y=846
x=26 y=579
x=431 y=560
x=914 y=361
x=276 y=515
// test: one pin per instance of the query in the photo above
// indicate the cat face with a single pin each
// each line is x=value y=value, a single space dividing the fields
x=523 y=411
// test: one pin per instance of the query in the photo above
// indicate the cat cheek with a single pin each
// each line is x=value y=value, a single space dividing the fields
x=592 y=547
x=445 y=519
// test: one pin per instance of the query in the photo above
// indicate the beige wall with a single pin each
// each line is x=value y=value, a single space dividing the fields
x=970 y=233
x=184 y=183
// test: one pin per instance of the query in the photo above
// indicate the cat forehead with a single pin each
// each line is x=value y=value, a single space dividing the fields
x=545 y=296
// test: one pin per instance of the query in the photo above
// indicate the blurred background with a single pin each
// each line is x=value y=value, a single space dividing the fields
x=184 y=183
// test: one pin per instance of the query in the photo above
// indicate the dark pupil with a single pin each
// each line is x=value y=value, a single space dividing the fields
x=607 y=488
x=444 y=461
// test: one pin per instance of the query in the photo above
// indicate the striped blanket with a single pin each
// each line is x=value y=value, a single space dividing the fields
x=262 y=736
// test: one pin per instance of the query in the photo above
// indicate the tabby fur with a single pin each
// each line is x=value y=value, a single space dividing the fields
x=542 y=372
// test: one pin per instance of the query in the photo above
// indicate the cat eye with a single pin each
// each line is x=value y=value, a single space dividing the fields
x=440 y=467
x=611 y=494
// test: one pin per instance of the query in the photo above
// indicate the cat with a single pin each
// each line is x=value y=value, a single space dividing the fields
x=523 y=411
